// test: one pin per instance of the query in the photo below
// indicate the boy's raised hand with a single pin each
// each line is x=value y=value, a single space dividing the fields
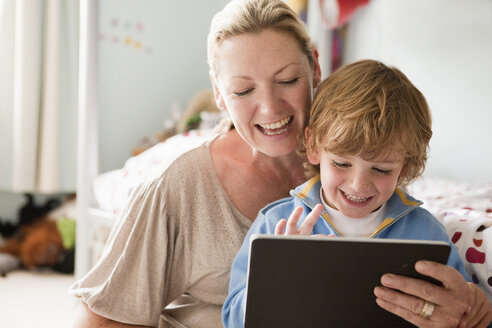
x=290 y=226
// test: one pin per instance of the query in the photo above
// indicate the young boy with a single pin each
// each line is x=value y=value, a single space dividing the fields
x=367 y=138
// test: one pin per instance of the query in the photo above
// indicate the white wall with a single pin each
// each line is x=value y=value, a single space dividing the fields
x=140 y=81
x=445 y=48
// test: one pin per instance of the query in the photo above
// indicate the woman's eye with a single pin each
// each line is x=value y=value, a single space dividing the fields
x=337 y=164
x=243 y=93
x=385 y=172
x=293 y=81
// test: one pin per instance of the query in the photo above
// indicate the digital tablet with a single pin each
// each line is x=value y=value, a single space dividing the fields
x=306 y=281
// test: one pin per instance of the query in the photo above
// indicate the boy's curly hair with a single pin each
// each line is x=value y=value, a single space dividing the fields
x=369 y=109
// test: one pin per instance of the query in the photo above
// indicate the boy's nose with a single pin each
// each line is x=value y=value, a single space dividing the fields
x=360 y=182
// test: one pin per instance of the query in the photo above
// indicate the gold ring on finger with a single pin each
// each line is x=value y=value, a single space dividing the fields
x=427 y=310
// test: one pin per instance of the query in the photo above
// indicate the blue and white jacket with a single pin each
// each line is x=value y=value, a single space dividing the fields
x=404 y=219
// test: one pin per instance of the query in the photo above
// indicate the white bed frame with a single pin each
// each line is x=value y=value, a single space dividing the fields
x=88 y=216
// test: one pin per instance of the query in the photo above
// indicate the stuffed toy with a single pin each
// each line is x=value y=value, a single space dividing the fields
x=45 y=241
x=28 y=213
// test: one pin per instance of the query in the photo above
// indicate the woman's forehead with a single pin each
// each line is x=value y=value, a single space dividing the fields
x=268 y=49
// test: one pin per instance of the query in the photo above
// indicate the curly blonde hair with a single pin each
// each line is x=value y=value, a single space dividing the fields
x=369 y=109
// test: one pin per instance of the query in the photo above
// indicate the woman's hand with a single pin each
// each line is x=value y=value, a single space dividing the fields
x=481 y=313
x=454 y=304
x=306 y=227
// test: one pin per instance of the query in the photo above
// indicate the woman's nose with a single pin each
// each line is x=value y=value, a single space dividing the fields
x=270 y=102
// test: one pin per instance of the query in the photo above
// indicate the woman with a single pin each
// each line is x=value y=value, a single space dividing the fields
x=167 y=260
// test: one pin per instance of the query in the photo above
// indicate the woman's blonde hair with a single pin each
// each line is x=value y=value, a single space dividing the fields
x=252 y=16
x=371 y=110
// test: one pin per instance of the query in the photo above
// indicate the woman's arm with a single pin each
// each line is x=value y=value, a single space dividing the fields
x=85 y=318
x=456 y=303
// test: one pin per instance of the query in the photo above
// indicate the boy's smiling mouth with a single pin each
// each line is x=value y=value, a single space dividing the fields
x=356 y=199
x=275 y=128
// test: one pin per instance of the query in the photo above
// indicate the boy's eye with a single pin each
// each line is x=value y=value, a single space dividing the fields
x=337 y=164
x=385 y=172
x=243 y=93
x=293 y=81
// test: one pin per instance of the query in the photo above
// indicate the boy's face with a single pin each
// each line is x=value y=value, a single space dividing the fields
x=353 y=185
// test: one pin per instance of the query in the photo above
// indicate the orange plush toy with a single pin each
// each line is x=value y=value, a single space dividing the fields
x=43 y=242
x=36 y=245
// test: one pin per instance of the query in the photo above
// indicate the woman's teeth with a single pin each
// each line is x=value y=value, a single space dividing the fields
x=356 y=199
x=275 y=127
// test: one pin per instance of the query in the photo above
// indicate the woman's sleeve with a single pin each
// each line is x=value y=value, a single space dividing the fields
x=136 y=276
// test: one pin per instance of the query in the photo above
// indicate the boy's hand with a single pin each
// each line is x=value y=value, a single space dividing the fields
x=306 y=227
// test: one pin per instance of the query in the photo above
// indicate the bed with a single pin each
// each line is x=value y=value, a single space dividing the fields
x=465 y=209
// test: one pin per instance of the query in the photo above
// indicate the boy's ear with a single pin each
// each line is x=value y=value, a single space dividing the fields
x=218 y=97
x=403 y=174
x=316 y=68
x=312 y=155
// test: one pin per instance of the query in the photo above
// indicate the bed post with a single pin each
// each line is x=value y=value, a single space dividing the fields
x=87 y=145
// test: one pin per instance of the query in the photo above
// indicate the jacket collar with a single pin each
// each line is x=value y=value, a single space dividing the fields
x=398 y=205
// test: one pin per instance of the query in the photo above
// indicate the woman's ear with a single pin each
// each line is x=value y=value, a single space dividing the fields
x=218 y=97
x=312 y=154
x=316 y=68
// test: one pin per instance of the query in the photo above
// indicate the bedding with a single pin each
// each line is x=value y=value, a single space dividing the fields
x=465 y=209
x=112 y=189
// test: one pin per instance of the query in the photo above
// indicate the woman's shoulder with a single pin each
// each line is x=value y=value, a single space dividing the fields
x=167 y=177
x=180 y=166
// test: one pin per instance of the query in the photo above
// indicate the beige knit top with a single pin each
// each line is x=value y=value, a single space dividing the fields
x=174 y=243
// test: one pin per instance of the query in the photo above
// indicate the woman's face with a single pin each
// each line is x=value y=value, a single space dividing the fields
x=265 y=83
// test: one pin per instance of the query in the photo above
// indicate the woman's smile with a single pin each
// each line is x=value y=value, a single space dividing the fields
x=276 y=128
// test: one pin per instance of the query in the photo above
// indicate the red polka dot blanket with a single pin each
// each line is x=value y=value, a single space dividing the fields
x=465 y=209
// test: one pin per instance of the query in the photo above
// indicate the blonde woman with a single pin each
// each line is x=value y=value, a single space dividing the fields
x=168 y=258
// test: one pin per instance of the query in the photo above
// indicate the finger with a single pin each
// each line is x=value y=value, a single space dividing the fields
x=411 y=303
x=470 y=319
x=487 y=319
x=481 y=312
x=306 y=227
x=403 y=313
x=473 y=320
x=416 y=287
x=449 y=276
x=291 y=228
x=452 y=281
x=402 y=305
x=279 y=228
x=451 y=307
x=454 y=295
